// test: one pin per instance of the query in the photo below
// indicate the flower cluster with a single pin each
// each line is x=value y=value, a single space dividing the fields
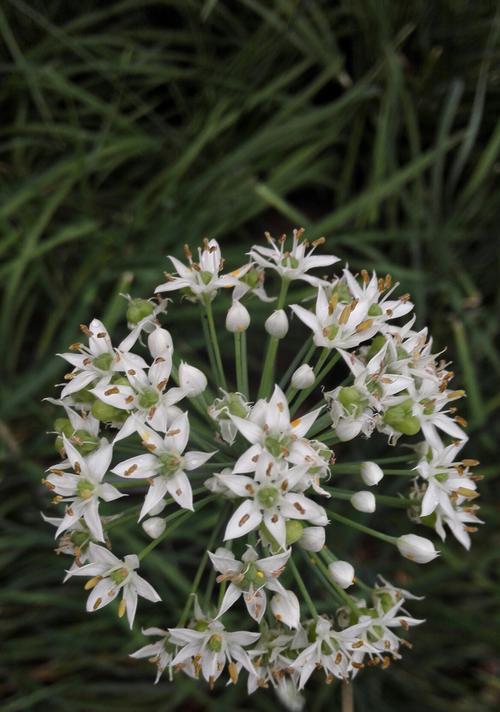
x=174 y=439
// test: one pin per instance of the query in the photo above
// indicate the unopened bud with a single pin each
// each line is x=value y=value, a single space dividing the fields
x=154 y=527
x=277 y=324
x=238 y=318
x=192 y=381
x=138 y=309
x=303 y=377
x=348 y=429
x=371 y=473
x=160 y=341
x=364 y=501
x=416 y=548
x=342 y=572
x=313 y=538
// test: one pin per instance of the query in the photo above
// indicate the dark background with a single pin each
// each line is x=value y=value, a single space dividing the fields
x=129 y=128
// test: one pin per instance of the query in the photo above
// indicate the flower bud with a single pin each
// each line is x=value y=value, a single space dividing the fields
x=416 y=548
x=138 y=309
x=107 y=413
x=294 y=530
x=277 y=324
x=401 y=418
x=364 y=501
x=154 y=527
x=371 y=473
x=160 y=341
x=313 y=538
x=238 y=318
x=347 y=429
x=191 y=380
x=342 y=572
x=303 y=377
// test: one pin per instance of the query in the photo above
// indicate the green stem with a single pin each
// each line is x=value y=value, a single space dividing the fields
x=361 y=527
x=240 y=353
x=213 y=340
x=272 y=349
x=303 y=589
x=313 y=562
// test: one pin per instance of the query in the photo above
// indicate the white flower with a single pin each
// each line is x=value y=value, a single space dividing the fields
x=270 y=499
x=202 y=278
x=208 y=646
x=364 y=501
x=277 y=324
x=97 y=362
x=192 y=381
x=303 y=377
x=141 y=316
x=237 y=318
x=294 y=263
x=145 y=399
x=83 y=487
x=416 y=548
x=312 y=539
x=111 y=575
x=342 y=572
x=249 y=578
x=371 y=473
x=223 y=408
x=268 y=429
x=165 y=465
x=379 y=629
x=154 y=527
x=161 y=653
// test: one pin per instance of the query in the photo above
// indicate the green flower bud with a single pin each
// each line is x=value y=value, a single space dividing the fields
x=401 y=419
x=252 y=278
x=85 y=442
x=294 y=530
x=201 y=626
x=352 y=399
x=375 y=310
x=138 y=309
x=84 y=396
x=118 y=380
x=215 y=643
x=107 y=413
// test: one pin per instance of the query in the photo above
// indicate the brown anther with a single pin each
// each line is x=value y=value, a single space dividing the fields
x=284 y=485
x=97 y=604
x=162 y=384
x=130 y=470
x=386 y=661
x=173 y=433
x=405 y=297
x=388 y=281
x=345 y=314
x=69 y=376
x=404 y=624
x=299 y=507
x=233 y=672
x=274 y=518
x=466 y=492
x=187 y=252
x=249 y=488
x=57 y=499
x=75 y=347
x=471 y=530
x=101 y=335
x=244 y=519
x=338 y=658
x=357 y=666
x=365 y=276
x=129 y=399
x=461 y=421
x=131 y=372
x=111 y=391
x=87 y=361
x=85 y=329
x=319 y=241
x=364 y=325
x=329 y=679
x=48 y=485
x=357 y=644
x=77 y=468
x=470 y=463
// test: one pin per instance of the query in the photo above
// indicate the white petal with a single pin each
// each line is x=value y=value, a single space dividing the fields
x=93 y=521
x=179 y=488
x=249 y=430
x=248 y=461
x=145 y=589
x=246 y=518
x=195 y=459
x=230 y=597
x=138 y=467
x=286 y=609
x=275 y=524
x=156 y=492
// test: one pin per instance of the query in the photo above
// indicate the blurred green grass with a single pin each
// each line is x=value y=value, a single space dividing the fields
x=131 y=127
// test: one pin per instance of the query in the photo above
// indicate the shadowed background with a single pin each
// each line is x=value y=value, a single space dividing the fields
x=129 y=128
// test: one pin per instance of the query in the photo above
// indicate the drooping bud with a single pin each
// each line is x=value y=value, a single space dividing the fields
x=313 y=538
x=342 y=572
x=371 y=473
x=238 y=318
x=154 y=527
x=364 y=501
x=160 y=341
x=303 y=377
x=348 y=429
x=416 y=548
x=192 y=381
x=277 y=324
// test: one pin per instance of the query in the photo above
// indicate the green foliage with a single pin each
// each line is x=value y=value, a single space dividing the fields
x=131 y=127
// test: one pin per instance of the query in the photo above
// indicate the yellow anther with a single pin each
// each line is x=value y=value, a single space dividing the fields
x=92 y=582
x=122 y=608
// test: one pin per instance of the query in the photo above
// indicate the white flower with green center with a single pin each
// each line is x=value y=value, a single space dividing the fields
x=338 y=325
x=378 y=625
x=160 y=653
x=202 y=279
x=268 y=429
x=449 y=486
x=330 y=650
x=293 y=263
x=208 y=647
x=271 y=499
x=143 y=398
x=165 y=465
x=110 y=576
x=249 y=578
x=97 y=362
x=82 y=489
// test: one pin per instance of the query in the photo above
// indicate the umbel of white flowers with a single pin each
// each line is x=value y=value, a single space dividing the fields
x=148 y=436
